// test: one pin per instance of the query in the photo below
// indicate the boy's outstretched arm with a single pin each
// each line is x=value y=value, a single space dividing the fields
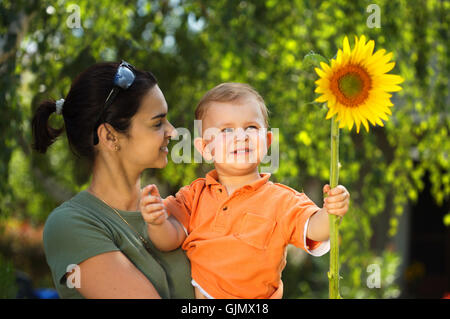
x=166 y=233
x=335 y=203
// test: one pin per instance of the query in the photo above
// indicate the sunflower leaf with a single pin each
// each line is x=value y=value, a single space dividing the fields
x=314 y=59
x=313 y=103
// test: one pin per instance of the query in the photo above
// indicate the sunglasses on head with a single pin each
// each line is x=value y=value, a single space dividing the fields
x=123 y=79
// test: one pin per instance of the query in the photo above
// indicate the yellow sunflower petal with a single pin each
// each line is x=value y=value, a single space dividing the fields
x=369 y=48
x=392 y=79
x=368 y=114
x=346 y=46
x=325 y=67
x=375 y=57
x=321 y=99
x=391 y=88
x=331 y=112
x=320 y=72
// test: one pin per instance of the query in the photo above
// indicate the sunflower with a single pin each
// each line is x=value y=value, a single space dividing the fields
x=356 y=85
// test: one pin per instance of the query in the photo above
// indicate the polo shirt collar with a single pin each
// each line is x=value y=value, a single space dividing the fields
x=212 y=179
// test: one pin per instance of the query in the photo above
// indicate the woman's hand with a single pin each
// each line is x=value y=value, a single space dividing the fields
x=151 y=206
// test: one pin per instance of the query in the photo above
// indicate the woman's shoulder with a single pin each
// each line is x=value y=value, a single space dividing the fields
x=69 y=210
x=78 y=214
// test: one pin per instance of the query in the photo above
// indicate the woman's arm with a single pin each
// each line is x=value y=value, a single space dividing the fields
x=112 y=275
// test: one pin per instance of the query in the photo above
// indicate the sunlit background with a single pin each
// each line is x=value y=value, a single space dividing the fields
x=398 y=176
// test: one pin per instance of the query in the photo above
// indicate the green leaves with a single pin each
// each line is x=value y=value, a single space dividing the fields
x=314 y=59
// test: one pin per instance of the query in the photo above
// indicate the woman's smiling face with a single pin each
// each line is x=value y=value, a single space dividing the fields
x=145 y=145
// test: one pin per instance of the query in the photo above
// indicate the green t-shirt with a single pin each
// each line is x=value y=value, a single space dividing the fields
x=84 y=227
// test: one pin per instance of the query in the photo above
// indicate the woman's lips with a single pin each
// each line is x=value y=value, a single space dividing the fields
x=164 y=149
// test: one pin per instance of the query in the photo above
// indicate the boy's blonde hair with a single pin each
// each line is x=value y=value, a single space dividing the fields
x=230 y=92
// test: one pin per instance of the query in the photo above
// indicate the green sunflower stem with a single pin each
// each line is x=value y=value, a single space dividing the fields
x=333 y=274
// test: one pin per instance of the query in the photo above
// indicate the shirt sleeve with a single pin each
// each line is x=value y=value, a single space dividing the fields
x=294 y=223
x=180 y=205
x=70 y=238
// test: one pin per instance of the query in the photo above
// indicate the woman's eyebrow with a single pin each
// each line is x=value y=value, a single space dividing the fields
x=159 y=116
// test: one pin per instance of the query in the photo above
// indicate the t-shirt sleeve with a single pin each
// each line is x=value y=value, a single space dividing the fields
x=295 y=221
x=180 y=205
x=71 y=237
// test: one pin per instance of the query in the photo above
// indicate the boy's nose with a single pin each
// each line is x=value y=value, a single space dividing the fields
x=241 y=134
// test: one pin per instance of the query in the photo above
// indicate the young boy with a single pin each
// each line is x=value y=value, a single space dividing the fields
x=235 y=224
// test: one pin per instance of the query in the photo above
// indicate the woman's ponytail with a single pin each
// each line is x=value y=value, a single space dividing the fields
x=43 y=134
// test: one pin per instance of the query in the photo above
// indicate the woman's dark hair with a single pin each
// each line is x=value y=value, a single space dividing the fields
x=83 y=105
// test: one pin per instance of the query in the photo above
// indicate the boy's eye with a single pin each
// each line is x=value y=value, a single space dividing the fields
x=251 y=127
x=227 y=130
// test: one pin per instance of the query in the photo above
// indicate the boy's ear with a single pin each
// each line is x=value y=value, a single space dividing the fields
x=269 y=138
x=201 y=146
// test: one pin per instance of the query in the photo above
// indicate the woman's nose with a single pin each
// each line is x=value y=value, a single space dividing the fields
x=172 y=131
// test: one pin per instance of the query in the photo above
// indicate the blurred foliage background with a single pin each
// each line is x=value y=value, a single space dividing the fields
x=193 y=45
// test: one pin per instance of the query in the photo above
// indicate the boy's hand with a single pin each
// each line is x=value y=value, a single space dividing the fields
x=337 y=201
x=151 y=205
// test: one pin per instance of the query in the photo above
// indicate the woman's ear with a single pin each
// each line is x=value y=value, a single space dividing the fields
x=107 y=136
x=201 y=146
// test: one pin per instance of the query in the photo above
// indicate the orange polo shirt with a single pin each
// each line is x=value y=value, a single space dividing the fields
x=236 y=244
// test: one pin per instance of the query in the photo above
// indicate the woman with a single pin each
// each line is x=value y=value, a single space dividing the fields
x=96 y=243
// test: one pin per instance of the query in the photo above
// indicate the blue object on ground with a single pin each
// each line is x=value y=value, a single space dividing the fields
x=46 y=293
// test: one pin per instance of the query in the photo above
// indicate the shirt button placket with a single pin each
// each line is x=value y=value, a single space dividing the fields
x=221 y=219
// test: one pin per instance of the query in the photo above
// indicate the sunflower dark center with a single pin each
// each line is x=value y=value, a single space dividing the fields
x=350 y=85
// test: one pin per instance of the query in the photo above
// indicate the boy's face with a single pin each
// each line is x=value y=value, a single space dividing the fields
x=234 y=135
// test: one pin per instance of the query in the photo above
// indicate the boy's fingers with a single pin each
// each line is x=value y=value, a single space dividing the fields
x=339 y=212
x=154 y=191
x=326 y=188
x=150 y=190
x=153 y=208
x=338 y=190
x=337 y=198
x=146 y=190
x=336 y=205
x=150 y=200
x=153 y=217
